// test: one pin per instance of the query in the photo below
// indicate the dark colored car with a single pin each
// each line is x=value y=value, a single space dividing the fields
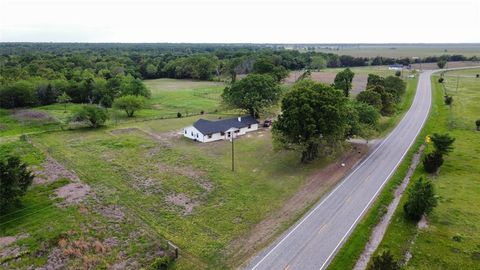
x=267 y=123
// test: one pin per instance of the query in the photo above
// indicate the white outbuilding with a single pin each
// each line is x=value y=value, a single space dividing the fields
x=209 y=131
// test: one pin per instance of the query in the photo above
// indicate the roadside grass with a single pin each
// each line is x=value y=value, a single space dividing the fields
x=457 y=215
x=141 y=173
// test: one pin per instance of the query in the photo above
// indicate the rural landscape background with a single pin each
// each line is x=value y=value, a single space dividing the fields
x=96 y=173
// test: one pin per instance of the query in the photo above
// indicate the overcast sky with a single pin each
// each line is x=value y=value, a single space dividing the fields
x=261 y=21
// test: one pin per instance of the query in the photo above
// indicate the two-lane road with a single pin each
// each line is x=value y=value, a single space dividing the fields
x=315 y=239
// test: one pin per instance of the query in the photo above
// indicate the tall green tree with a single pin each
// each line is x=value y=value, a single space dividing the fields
x=313 y=114
x=64 y=99
x=15 y=178
x=253 y=93
x=371 y=98
x=343 y=81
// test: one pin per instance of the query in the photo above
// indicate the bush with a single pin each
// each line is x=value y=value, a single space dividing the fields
x=432 y=162
x=441 y=79
x=18 y=94
x=448 y=100
x=421 y=200
x=371 y=98
x=384 y=261
x=92 y=114
x=398 y=73
x=443 y=143
x=367 y=114
x=162 y=263
x=179 y=115
x=15 y=178
x=129 y=104
x=477 y=123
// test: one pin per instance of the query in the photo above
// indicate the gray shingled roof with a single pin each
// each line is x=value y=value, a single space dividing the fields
x=207 y=127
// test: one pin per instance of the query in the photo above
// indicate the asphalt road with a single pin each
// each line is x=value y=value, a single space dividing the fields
x=313 y=241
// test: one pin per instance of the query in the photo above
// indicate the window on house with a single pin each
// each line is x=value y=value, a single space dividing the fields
x=249 y=126
x=185 y=131
x=210 y=136
x=192 y=133
x=222 y=133
x=197 y=135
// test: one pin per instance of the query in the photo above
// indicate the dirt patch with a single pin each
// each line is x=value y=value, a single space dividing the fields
x=423 y=223
x=72 y=193
x=51 y=171
x=7 y=240
x=182 y=201
x=111 y=212
x=32 y=116
x=380 y=229
x=316 y=185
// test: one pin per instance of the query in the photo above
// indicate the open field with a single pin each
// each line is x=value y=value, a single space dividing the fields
x=359 y=80
x=169 y=96
x=400 y=51
x=431 y=66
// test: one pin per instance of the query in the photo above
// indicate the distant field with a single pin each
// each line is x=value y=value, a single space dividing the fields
x=457 y=215
x=397 y=51
x=359 y=81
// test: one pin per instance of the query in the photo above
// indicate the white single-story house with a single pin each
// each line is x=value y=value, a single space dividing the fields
x=209 y=131
x=395 y=67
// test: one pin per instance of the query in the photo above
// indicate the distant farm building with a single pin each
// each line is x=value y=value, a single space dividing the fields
x=395 y=67
x=209 y=131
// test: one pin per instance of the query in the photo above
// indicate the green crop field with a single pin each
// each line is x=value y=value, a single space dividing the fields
x=451 y=240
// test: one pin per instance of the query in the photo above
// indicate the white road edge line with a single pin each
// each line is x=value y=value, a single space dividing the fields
x=341 y=184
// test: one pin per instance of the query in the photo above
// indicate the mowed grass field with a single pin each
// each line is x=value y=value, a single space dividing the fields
x=451 y=240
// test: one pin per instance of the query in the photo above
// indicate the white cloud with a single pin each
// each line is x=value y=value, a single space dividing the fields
x=240 y=21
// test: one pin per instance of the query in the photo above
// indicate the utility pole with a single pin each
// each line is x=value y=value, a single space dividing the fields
x=233 y=152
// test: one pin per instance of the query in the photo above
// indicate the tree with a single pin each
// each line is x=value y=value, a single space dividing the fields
x=313 y=114
x=129 y=104
x=318 y=62
x=432 y=161
x=398 y=73
x=253 y=93
x=15 y=178
x=421 y=199
x=93 y=114
x=64 y=99
x=388 y=103
x=18 y=94
x=371 y=98
x=343 y=81
x=367 y=114
x=265 y=65
x=395 y=86
x=443 y=143
x=133 y=86
x=46 y=94
x=384 y=261
x=441 y=63
x=374 y=80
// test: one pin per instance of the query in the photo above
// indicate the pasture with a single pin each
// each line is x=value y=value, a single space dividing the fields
x=401 y=51
x=450 y=240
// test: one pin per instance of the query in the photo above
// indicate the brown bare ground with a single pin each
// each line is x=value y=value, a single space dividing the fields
x=51 y=171
x=72 y=193
x=182 y=201
x=317 y=185
x=359 y=82
x=32 y=115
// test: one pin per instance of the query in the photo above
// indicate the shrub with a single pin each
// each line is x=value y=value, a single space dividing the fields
x=129 y=104
x=477 y=123
x=15 y=178
x=441 y=79
x=448 y=100
x=202 y=112
x=367 y=114
x=371 y=98
x=161 y=263
x=443 y=143
x=432 y=162
x=179 y=115
x=478 y=76
x=384 y=261
x=398 y=73
x=18 y=94
x=92 y=114
x=421 y=200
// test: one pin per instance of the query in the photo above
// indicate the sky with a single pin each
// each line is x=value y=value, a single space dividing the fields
x=249 y=21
